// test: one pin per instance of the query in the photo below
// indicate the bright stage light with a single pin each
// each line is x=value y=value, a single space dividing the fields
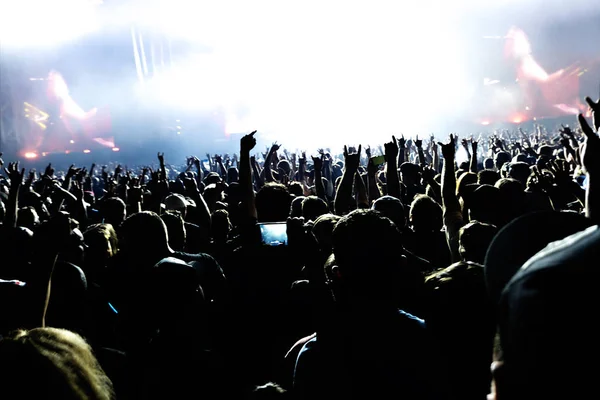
x=87 y=151
x=115 y=149
x=30 y=155
x=318 y=83
x=41 y=22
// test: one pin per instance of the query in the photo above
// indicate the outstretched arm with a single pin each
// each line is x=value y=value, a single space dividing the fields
x=453 y=218
x=343 y=196
x=247 y=143
x=591 y=162
x=391 y=172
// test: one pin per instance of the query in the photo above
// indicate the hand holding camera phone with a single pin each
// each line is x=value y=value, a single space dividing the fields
x=274 y=233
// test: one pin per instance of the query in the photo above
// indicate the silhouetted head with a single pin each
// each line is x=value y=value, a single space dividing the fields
x=474 y=240
x=176 y=202
x=284 y=165
x=51 y=363
x=175 y=229
x=273 y=203
x=296 y=208
x=487 y=177
x=212 y=177
x=547 y=151
x=425 y=215
x=323 y=230
x=114 y=211
x=220 y=225
x=391 y=208
x=484 y=204
x=500 y=159
x=468 y=178
x=488 y=163
x=28 y=218
x=232 y=174
x=102 y=244
x=144 y=235
x=409 y=173
x=313 y=207
x=295 y=189
x=512 y=196
x=519 y=171
x=366 y=248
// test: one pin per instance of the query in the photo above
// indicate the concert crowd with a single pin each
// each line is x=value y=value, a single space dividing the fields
x=462 y=268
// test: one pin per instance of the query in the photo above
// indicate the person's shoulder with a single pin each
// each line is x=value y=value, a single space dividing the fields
x=573 y=248
x=189 y=257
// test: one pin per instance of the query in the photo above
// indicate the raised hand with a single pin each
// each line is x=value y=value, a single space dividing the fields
x=448 y=149
x=428 y=174
x=418 y=143
x=161 y=157
x=595 y=106
x=352 y=160
x=15 y=176
x=590 y=150
x=49 y=171
x=465 y=144
x=118 y=170
x=275 y=147
x=474 y=144
x=402 y=142
x=391 y=148
x=247 y=142
x=560 y=170
x=318 y=162
x=30 y=178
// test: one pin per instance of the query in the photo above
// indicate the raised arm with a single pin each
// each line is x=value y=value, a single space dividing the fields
x=591 y=161
x=373 y=189
x=16 y=180
x=473 y=160
x=391 y=172
x=320 y=189
x=343 y=196
x=453 y=219
x=269 y=161
x=247 y=143
x=419 y=145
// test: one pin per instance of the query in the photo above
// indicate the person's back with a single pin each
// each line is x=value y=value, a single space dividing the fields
x=547 y=321
x=369 y=348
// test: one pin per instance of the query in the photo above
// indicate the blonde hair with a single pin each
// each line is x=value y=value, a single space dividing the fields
x=51 y=363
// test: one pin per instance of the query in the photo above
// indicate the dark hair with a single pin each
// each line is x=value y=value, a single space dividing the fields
x=295 y=188
x=113 y=210
x=487 y=177
x=273 y=203
x=313 y=207
x=474 y=240
x=391 y=208
x=144 y=230
x=425 y=214
x=176 y=229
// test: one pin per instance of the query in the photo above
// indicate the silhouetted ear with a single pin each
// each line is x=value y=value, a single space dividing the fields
x=336 y=272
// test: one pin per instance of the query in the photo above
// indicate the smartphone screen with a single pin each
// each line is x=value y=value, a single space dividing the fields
x=378 y=160
x=274 y=233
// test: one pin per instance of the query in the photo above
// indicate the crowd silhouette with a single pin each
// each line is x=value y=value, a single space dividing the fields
x=403 y=274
